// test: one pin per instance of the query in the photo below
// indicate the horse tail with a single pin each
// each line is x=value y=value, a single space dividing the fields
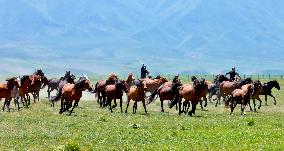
x=174 y=102
x=57 y=97
x=152 y=96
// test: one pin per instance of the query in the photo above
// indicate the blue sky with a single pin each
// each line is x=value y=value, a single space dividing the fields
x=169 y=36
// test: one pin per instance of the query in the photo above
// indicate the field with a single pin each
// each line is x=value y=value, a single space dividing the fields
x=40 y=127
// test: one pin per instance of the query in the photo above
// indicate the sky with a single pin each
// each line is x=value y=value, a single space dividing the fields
x=170 y=37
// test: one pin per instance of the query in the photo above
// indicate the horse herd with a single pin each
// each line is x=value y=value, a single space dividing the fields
x=181 y=95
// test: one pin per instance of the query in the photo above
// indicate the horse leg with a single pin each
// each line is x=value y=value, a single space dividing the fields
x=48 y=92
x=8 y=104
x=34 y=96
x=5 y=102
x=233 y=105
x=114 y=106
x=179 y=105
x=109 y=103
x=205 y=100
x=254 y=109
x=62 y=106
x=273 y=98
x=134 y=107
x=127 y=103
x=144 y=105
x=16 y=100
x=121 y=104
x=75 y=104
x=193 y=108
x=265 y=99
x=250 y=105
x=162 y=105
x=259 y=102
x=201 y=105
x=37 y=93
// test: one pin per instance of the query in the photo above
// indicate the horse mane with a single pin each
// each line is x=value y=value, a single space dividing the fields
x=157 y=77
x=79 y=83
x=193 y=78
x=39 y=72
x=23 y=78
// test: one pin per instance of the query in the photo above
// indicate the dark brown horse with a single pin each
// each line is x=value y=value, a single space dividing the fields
x=115 y=91
x=24 y=89
x=241 y=96
x=68 y=78
x=191 y=93
x=35 y=87
x=73 y=92
x=168 y=91
x=266 y=90
x=137 y=93
x=99 y=89
x=7 y=88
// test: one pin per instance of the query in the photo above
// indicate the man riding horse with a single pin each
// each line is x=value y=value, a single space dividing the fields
x=144 y=72
x=233 y=74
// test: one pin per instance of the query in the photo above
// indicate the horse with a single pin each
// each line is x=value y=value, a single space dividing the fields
x=129 y=80
x=213 y=89
x=167 y=92
x=266 y=90
x=24 y=89
x=227 y=87
x=257 y=91
x=7 y=88
x=39 y=81
x=241 y=96
x=137 y=93
x=154 y=84
x=191 y=93
x=99 y=87
x=68 y=78
x=115 y=91
x=73 y=92
x=35 y=87
x=55 y=84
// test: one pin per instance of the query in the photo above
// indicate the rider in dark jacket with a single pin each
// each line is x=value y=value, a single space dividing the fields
x=144 y=72
x=232 y=74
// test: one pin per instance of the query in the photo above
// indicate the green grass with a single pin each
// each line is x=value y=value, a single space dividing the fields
x=40 y=127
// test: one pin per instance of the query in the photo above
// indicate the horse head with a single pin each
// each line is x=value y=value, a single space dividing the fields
x=12 y=82
x=276 y=84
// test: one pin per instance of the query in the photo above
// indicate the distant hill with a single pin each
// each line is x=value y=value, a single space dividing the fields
x=169 y=36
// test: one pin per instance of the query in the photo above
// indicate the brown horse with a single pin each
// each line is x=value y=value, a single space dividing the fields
x=24 y=89
x=115 y=91
x=191 y=93
x=129 y=80
x=227 y=87
x=99 y=89
x=258 y=88
x=73 y=92
x=7 y=88
x=35 y=87
x=168 y=91
x=241 y=96
x=137 y=93
x=154 y=84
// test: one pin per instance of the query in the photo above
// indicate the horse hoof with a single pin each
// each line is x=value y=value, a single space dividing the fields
x=254 y=110
x=190 y=114
x=162 y=111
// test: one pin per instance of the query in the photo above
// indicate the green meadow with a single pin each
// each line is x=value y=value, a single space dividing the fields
x=41 y=127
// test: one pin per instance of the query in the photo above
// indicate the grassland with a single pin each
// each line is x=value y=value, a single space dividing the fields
x=40 y=127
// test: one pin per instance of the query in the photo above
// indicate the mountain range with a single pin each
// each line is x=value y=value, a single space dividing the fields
x=104 y=36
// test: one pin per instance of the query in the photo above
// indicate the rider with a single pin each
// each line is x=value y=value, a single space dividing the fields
x=144 y=72
x=232 y=74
